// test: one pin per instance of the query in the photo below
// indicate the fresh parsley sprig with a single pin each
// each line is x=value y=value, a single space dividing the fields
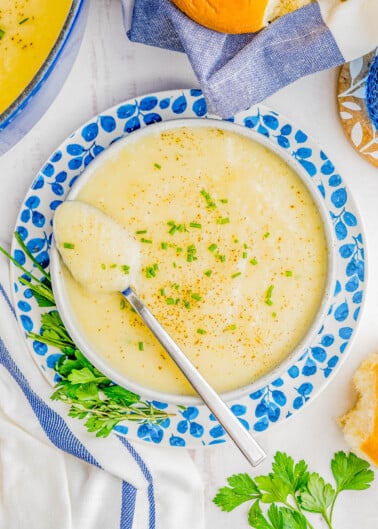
x=90 y=395
x=292 y=491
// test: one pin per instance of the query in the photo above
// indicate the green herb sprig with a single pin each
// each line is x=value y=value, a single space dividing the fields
x=90 y=395
x=292 y=491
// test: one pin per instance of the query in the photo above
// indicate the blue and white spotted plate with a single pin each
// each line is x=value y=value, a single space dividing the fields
x=272 y=403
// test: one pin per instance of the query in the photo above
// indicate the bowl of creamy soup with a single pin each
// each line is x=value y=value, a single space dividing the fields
x=235 y=259
x=39 y=40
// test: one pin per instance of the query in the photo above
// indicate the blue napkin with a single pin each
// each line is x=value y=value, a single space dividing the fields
x=251 y=66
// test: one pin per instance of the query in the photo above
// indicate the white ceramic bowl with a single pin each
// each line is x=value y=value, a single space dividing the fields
x=80 y=339
x=38 y=95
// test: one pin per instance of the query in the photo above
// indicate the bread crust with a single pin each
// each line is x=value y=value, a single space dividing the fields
x=226 y=16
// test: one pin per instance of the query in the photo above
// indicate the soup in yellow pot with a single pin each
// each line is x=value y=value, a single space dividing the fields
x=28 y=32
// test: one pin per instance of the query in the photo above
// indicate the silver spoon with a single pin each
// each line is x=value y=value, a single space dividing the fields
x=103 y=238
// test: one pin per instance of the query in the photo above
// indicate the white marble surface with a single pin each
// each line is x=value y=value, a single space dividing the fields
x=109 y=69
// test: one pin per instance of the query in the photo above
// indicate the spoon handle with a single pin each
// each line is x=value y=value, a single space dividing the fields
x=241 y=437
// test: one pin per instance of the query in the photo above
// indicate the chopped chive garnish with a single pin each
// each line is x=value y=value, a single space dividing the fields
x=245 y=255
x=174 y=264
x=266 y=235
x=157 y=165
x=141 y=346
x=212 y=247
x=186 y=304
x=103 y=266
x=237 y=274
x=146 y=241
x=170 y=301
x=195 y=225
x=176 y=227
x=125 y=269
x=122 y=304
x=162 y=291
x=253 y=261
x=274 y=314
x=208 y=273
x=23 y=21
x=2 y=33
x=201 y=331
x=191 y=252
x=268 y=295
x=176 y=286
x=209 y=201
x=288 y=273
x=224 y=200
x=245 y=246
x=140 y=232
x=222 y=258
x=68 y=245
x=179 y=249
x=113 y=265
x=223 y=220
x=151 y=271
x=195 y=296
x=164 y=245
x=231 y=327
x=236 y=241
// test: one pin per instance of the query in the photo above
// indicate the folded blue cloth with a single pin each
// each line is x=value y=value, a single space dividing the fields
x=249 y=66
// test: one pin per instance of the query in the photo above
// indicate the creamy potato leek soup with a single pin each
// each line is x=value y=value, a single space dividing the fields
x=28 y=31
x=233 y=257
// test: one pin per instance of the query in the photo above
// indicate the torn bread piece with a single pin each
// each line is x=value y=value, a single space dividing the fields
x=244 y=16
x=360 y=424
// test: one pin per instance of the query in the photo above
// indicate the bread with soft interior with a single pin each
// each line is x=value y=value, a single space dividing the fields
x=360 y=424
x=241 y=16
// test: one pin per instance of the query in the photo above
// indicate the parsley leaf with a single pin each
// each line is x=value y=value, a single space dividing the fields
x=257 y=519
x=293 y=519
x=318 y=495
x=277 y=518
x=242 y=488
x=273 y=487
x=351 y=472
x=295 y=475
x=84 y=376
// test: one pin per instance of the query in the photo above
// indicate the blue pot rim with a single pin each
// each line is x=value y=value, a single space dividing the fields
x=48 y=65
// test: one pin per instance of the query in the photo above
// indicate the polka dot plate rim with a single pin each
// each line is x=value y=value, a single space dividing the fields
x=271 y=403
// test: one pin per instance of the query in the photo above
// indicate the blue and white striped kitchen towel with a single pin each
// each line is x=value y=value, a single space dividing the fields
x=251 y=67
x=110 y=484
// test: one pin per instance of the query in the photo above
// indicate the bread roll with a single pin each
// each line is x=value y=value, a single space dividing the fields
x=360 y=425
x=241 y=16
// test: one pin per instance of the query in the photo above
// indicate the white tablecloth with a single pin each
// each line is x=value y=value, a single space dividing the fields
x=42 y=487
